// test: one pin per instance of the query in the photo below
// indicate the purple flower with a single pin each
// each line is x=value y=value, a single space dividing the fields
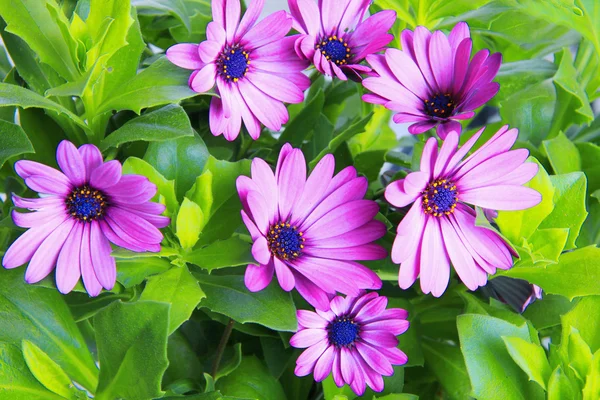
x=310 y=232
x=82 y=209
x=335 y=37
x=440 y=226
x=254 y=66
x=356 y=340
x=431 y=81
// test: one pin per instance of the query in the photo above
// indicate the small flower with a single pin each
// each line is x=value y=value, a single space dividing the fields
x=440 y=226
x=335 y=37
x=356 y=340
x=254 y=67
x=83 y=208
x=310 y=232
x=431 y=82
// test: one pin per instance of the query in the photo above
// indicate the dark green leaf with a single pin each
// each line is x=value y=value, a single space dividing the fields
x=175 y=8
x=221 y=254
x=133 y=271
x=251 y=381
x=447 y=363
x=13 y=141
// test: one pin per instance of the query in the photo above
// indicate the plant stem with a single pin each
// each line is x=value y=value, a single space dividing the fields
x=221 y=348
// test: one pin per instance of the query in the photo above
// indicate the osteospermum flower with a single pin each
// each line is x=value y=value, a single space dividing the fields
x=440 y=226
x=430 y=82
x=254 y=67
x=310 y=232
x=356 y=340
x=84 y=208
x=335 y=37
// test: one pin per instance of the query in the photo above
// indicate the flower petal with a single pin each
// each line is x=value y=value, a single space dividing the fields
x=185 y=55
x=258 y=277
x=70 y=162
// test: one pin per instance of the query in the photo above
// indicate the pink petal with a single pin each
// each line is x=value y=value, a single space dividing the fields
x=259 y=211
x=258 y=277
x=276 y=87
x=375 y=359
x=70 y=162
x=90 y=282
x=104 y=265
x=185 y=55
x=44 y=258
x=435 y=265
x=291 y=182
x=315 y=296
x=47 y=185
x=68 y=270
x=106 y=175
x=307 y=337
x=445 y=128
x=324 y=364
x=208 y=51
x=315 y=187
x=446 y=152
x=502 y=197
x=309 y=319
x=367 y=233
x=92 y=158
x=249 y=19
x=284 y=275
x=407 y=72
x=232 y=17
x=270 y=29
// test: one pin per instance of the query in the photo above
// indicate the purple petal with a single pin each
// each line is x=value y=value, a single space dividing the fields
x=407 y=72
x=259 y=211
x=459 y=33
x=136 y=226
x=269 y=111
x=393 y=326
x=316 y=185
x=309 y=319
x=420 y=127
x=324 y=364
x=521 y=175
x=394 y=354
x=291 y=182
x=347 y=364
x=492 y=170
x=445 y=128
x=276 y=87
x=446 y=152
x=185 y=55
x=232 y=17
x=208 y=52
x=306 y=13
x=44 y=258
x=421 y=41
x=363 y=252
x=307 y=337
x=481 y=96
x=260 y=251
x=71 y=163
x=106 y=175
x=104 y=265
x=379 y=338
x=435 y=266
x=367 y=233
x=284 y=275
x=46 y=185
x=204 y=80
x=92 y=158
x=38 y=218
x=254 y=233
x=27 y=169
x=343 y=219
x=315 y=296
x=372 y=308
x=44 y=203
x=375 y=359
x=258 y=277
x=461 y=64
x=90 y=282
x=270 y=29
x=310 y=356
x=502 y=197
x=409 y=233
x=68 y=269
x=215 y=31
x=501 y=142
x=249 y=19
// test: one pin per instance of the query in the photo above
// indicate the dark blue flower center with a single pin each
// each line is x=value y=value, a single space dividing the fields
x=233 y=62
x=86 y=204
x=335 y=49
x=440 y=105
x=343 y=331
x=285 y=241
x=440 y=198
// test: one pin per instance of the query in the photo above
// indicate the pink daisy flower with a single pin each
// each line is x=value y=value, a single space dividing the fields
x=431 y=82
x=440 y=227
x=82 y=210
x=253 y=65
x=335 y=37
x=356 y=340
x=310 y=231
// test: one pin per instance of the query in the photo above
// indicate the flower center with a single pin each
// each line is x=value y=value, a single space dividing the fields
x=343 y=331
x=440 y=105
x=233 y=63
x=334 y=49
x=86 y=204
x=285 y=242
x=440 y=198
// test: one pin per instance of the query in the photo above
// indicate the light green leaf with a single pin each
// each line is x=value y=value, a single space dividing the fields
x=133 y=271
x=166 y=188
x=16 y=381
x=547 y=244
x=518 y=75
x=530 y=357
x=46 y=371
x=251 y=381
x=585 y=317
x=486 y=358
x=175 y=8
x=590 y=154
x=448 y=365
x=559 y=386
x=108 y=23
x=591 y=390
x=190 y=220
x=398 y=396
x=231 y=252
x=13 y=141
x=201 y=192
x=271 y=307
x=161 y=83
x=167 y=123
x=177 y=287
x=332 y=392
x=132 y=349
x=580 y=355
x=563 y=154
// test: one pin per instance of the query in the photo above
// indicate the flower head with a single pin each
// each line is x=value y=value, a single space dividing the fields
x=253 y=65
x=334 y=36
x=440 y=227
x=310 y=232
x=84 y=208
x=356 y=340
x=431 y=82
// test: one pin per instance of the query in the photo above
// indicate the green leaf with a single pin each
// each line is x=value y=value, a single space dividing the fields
x=132 y=349
x=190 y=220
x=232 y=358
x=486 y=358
x=559 y=386
x=580 y=355
x=531 y=358
x=545 y=313
x=33 y=22
x=133 y=271
x=590 y=154
x=301 y=125
x=181 y=160
x=591 y=390
x=518 y=75
x=271 y=307
x=159 y=84
x=166 y=123
x=332 y=392
x=177 y=287
x=16 y=380
x=108 y=23
x=251 y=381
x=585 y=317
x=227 y=253
x=46 y=371
x=398 y=396
x=201 y=193
x=569 y=205
x=41 y=316
x=13 y=141
x=183 y=360
x=175 y=8
x=448 y=365
x=166 y=188
x=563 y=154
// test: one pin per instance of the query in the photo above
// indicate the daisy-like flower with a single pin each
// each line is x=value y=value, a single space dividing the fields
x=356 y=340
x=82 y=210
x=253 y=65
x=440 y=227
x=431 y=82
x=310 y=232
x=335 y=37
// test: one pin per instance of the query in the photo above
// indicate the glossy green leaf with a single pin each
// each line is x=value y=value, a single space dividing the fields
x=271 y=307
x=302 y=124
x=518 y=75
x=177 y=287
x=231 y=252
x=559 y=386
x=108 y=23
x=167 y=123
x=590 y=154
x=563 y=154
x=531 y=358
x=201 y=192
x=585 y=317
x=448 y=365
x=190 y=220
x=251 y=380
x=13 y=141
x=232 y=358
x=591 y=390
x=133 y=271
x=41 y=316
x=175 y=8
x=16 y=381
x=580 y=355
x=486 y=358
x=132 y=349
